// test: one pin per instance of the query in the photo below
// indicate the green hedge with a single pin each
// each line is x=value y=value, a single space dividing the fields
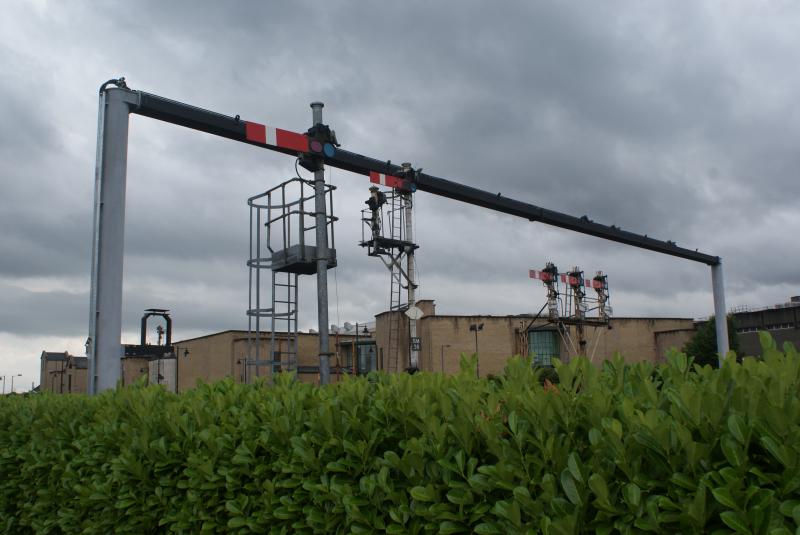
x=667 y=448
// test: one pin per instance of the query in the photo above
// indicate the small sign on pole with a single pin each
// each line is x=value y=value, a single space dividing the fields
x=416 y=344
x=414 y=313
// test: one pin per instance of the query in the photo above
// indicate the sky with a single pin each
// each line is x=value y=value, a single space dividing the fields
x=679 y=120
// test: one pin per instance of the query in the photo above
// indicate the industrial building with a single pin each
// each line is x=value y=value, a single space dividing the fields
x=360 y=349
x=444 y=338
x=62 y=373
x=441 y=342
x=224 y=354
x=780 y=321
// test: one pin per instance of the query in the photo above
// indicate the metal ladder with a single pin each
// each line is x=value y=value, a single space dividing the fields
x=396 y=302
x=390 y=243
x=283 y=352
x=283 y=241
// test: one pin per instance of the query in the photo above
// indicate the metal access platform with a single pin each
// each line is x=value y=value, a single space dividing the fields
x=283 y=246
x=300 y=259
x=381 y=246
x=383 y=229
x=283 y=228
x=386 y=233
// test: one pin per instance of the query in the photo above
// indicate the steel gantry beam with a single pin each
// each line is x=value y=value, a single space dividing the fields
x=294 y=143
x=116 y=103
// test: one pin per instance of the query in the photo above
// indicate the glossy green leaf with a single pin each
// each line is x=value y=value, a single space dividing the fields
x=573 y=465
x=737 y=428
x=633 y=494
x=724 y=496
x=570 y=488
x=599 y=487
x=423 y=494
x=735 y=521
x=778 y=451
x=733 y=451
x=488 y=528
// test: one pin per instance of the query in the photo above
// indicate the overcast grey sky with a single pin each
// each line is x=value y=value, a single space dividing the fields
x=675 y=119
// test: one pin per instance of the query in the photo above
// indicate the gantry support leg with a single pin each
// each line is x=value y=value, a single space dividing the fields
x=103 y=346
x=720 y=314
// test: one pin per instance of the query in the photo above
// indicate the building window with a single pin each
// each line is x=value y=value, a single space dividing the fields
x=543 y=346
x=777 y=326
x=366 y=358
x=347 y=355
x=276 y=363
x=359 y=357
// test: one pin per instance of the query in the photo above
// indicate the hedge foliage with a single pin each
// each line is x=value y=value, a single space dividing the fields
x=622 y=448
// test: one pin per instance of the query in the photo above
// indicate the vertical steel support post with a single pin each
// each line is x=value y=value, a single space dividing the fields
x=105 y=308
x=720 y=315
x=322 y=261
x=412 y=280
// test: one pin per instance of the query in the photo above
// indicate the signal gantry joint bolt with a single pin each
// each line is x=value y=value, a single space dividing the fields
x=323 y=133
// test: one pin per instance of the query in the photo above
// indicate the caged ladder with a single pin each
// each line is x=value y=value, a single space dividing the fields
x=384 y=234
x=396 y=303
x=282 y=240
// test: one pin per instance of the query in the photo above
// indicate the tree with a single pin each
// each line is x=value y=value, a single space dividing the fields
x=703 y=345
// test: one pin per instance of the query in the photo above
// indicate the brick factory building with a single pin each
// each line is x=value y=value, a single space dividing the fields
x=62 y=373
x=442 y=339
x=215 y=356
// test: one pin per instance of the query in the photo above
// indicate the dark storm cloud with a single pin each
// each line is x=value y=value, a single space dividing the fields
x=675 y=120
x=25 y=127
x=43 y=244
x=55 y=313
x=42 y=214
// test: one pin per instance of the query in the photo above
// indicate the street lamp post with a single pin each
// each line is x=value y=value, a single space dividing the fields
x=4 y=384
x=442 y=355
x=12 y=382
x=477 y=327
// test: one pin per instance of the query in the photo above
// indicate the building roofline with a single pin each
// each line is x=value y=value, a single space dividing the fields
x=209 y=335
x=55 y=352
x=532 y=316
x=80 y=361
x=244 y=333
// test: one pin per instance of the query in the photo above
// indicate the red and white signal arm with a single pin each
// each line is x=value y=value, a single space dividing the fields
x=543 y=276
x=575 y=281
x=387 y=180
x=276 y=137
